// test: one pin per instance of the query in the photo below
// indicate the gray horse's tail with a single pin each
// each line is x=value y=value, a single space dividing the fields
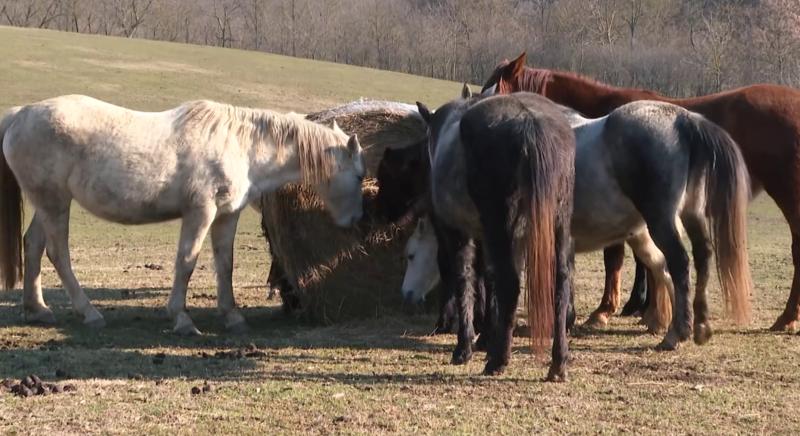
x=10 y=215
x=716 y=158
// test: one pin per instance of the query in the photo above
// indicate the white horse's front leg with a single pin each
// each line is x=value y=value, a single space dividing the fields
x=223 y=232
x=193 y=231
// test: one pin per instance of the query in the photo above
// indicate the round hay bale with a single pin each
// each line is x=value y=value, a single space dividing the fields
x=337 y=274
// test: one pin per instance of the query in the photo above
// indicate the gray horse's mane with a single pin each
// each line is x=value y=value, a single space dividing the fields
x=266 y=128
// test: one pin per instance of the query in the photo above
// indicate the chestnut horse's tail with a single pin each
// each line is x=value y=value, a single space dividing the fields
x=716 y=156
x=550 y=167
x=10 y=215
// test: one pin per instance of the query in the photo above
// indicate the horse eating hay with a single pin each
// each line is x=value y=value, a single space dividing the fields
x=337 y=274
x=202 y=162
x=683 y=165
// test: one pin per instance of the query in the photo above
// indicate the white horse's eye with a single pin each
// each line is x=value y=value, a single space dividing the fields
x=410 y=257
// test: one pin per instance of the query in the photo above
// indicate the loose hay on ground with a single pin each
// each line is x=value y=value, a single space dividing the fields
x=337 y=273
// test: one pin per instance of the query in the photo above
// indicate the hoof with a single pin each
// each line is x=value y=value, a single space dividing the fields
x=239 y=328
x=461 y=357
x=235 y=322
x=186 y=330
x=95 y=324
x=598 y=320
x=521 y=331
x=42 y=316
x=656 y=330
x=667 y=345
x=635 y=313
x=632 y=308
x=184 y=326
x=94 y=319
x=702 y=333
x=671 y=342
x=443 y=329
x=782 y=325
x=556 y=375
x=493 y=367
x=482 y=343
x=654 y=327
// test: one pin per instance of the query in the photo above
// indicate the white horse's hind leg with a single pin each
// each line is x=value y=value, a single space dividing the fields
x=193 y=230
x=35 y=309
x=223 y=232
x=647 y=251
x=55 y=222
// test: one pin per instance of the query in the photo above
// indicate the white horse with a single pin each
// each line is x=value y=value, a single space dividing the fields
x=422 y=268
x=202 y=162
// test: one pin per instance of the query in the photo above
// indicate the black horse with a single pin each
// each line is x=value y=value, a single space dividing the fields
x=502 y=173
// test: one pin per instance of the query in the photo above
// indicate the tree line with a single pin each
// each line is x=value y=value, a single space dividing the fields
x=679 y=47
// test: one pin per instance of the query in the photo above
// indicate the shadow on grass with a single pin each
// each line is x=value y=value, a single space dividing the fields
x=589 y=332
x=136 y=332
x=361 y=379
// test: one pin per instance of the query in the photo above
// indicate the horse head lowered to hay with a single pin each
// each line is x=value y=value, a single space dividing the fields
x=764 y=120
x=319 y=264
x=501 y=173
x=202 y=162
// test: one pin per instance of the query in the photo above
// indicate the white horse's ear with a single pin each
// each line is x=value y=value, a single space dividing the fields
x=425 y=112
x=465 y=91
x=335 y=127
x=353 y=145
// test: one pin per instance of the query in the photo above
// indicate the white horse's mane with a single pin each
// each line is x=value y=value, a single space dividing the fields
x=266 y=128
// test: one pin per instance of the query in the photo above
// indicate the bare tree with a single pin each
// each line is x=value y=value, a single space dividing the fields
x=223 y=14
x=634 y=12
x=253 y=14
x=777 y=32
x=713 y=47
x=131 y=14
x=30 y=13
x=604 y=15
x=676 y=46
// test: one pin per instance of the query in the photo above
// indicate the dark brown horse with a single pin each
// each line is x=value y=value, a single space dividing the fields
x=763 y=119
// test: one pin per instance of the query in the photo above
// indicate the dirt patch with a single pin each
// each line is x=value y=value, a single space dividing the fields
x=153 y=66
x=37 y=65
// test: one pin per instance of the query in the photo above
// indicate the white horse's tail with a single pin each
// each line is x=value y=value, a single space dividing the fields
x=10 y=214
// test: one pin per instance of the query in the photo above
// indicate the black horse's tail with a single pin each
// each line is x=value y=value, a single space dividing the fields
x=545 y=183
x=10 y=215
x=716 y=158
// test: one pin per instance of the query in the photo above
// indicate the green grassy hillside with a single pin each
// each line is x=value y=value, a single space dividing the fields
x=151 y=75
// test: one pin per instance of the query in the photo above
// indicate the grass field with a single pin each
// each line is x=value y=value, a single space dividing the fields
x=373 y=376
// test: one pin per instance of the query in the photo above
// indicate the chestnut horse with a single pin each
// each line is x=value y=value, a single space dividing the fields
x=763 y=119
